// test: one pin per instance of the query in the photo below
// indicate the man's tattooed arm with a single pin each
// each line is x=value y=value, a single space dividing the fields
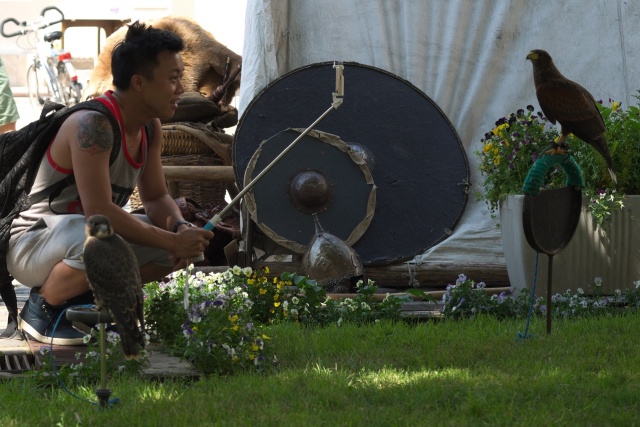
x=94 y=133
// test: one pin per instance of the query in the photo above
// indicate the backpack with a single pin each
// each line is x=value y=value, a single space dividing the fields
x=20 y=154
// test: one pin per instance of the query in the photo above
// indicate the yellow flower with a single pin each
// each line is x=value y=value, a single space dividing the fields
x=250 y=281
x=487 y=147
x=265 y=337
x=262 y=291
x=233 y=318
x=496 y=160
x=235 y=328
x=496 y=151
x=499 y=131
x=266 y=270
x=615 y=105
x=255 y=347
x=276 y=304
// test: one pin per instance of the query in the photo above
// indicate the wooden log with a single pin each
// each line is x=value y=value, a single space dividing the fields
x=199 y=173
x=433 y=294
x=429 y=275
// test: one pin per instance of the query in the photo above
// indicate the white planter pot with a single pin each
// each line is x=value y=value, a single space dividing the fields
x=611 y=252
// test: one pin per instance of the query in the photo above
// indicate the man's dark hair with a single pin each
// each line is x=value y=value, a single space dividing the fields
x=138 y=52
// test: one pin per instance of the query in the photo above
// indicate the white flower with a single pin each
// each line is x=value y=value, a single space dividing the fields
x=236 y=270
x=247 y=271
x=85 y=339
x=294 y=312
x=112 y=337
x=295 y=300
x=580 y=291
x=597 y=281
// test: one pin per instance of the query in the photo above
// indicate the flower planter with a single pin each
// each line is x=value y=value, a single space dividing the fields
x=611 y=252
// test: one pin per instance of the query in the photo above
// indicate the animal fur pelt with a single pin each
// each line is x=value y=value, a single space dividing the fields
x=204 y=59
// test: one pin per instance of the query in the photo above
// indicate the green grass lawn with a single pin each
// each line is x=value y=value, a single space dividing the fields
x=432 y=373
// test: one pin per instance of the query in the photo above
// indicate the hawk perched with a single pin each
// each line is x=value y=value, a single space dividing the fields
x=570 y=104
x=114 y=278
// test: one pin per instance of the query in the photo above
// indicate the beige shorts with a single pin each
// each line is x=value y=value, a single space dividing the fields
x=33 y=254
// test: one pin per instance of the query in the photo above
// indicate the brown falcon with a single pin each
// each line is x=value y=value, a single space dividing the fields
x=570 y=104
x=114 y=278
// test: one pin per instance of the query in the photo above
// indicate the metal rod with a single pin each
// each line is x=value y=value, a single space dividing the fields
x=549 y=280
x=103 y=358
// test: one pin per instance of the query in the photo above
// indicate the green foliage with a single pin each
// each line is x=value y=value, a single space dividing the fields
x=216 y=332
x=86 y=369
x=221 y=331
x=465 y=299
x=513 y=145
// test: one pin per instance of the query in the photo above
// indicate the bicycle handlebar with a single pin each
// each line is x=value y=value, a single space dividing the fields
x=24 y=27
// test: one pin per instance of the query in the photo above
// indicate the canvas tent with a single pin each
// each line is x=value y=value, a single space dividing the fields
x=466 y=55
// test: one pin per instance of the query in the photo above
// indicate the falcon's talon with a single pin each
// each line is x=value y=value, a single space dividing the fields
x=555 y=149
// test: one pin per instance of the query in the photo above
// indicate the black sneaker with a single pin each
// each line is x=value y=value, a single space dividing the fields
x=38 y=319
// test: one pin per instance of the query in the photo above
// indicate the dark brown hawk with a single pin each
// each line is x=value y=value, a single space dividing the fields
x=570 y=104
x=114 y=278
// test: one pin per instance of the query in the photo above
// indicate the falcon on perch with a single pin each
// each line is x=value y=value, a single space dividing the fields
x=570 y=104
x=114 y=278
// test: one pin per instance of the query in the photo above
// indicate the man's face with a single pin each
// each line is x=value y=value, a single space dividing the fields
x=162 y=93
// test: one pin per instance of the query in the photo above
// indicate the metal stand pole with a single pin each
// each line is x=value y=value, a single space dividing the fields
x=103 y=393
x=549 y=280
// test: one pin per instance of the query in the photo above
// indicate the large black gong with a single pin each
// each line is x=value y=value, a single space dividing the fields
x=421 y=170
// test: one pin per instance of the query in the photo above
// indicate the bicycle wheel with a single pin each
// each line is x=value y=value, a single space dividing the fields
x=71 y=90
x=39 y=86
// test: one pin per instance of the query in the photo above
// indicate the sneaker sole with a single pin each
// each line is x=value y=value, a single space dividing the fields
x=26 y=328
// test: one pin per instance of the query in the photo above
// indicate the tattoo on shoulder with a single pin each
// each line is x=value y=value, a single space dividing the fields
x=94 y=132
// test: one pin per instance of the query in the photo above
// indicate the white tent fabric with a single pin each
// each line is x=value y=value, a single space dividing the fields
x=466 y=55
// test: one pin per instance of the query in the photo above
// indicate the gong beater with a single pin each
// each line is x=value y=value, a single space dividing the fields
x=550 y=217
x=421 y=170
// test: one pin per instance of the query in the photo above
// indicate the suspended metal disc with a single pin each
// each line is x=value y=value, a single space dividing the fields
x=421 y=170
x=320 y=175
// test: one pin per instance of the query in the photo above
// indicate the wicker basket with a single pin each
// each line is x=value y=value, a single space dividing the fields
x=183 y=145
x=176 y=140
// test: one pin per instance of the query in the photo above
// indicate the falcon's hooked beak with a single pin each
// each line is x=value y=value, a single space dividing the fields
x=533 y=55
